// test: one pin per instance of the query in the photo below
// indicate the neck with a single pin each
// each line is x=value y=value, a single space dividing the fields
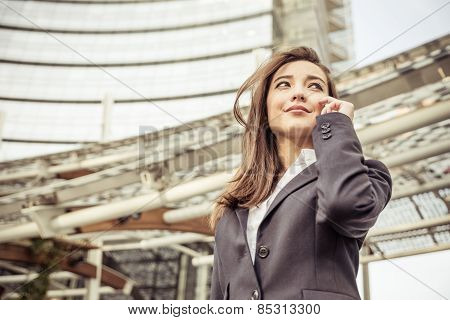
x=289 y=149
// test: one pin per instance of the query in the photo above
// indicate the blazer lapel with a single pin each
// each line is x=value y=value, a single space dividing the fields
x=242 y=214
x=300 y=180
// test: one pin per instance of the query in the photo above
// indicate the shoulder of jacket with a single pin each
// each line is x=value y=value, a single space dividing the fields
x=223 y=219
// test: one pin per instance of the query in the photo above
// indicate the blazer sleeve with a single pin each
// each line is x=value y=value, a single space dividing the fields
x=216 y=287
x=352 y=191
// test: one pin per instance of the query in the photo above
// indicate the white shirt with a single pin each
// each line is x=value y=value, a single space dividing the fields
x=256 y=214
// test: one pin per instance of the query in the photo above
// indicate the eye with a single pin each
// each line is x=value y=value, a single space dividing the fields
x=280 y=83
x=318 y=86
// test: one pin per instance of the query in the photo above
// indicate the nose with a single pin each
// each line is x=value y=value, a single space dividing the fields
x=298 y=94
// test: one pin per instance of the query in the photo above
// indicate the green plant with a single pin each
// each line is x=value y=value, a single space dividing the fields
x=48 y=254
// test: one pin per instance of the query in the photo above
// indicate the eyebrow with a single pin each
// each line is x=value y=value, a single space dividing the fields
x=308 y=77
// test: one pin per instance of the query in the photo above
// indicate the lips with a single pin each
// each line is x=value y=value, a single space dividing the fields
x=297 y=108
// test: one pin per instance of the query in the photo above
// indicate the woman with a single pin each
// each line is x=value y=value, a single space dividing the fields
x=291 y=222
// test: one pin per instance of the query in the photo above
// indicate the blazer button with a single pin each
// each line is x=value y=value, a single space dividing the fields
x=263 y=251
x=326 y=130
x=326 y=136
x=325 y=125
x=255 y=295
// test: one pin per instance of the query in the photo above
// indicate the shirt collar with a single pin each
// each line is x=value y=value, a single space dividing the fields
x=306 y=157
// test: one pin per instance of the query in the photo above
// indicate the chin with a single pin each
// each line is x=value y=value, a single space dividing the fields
x=297 y=123
x=296 y=132
x=293 y=126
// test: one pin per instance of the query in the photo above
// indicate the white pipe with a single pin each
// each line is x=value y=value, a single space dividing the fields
x=422 y=224
x=178 y=193
x=66 y=292
x=159 y=242
x=94 y=257
x=29 y=229
x=90 y=163
x=416 y=119
x=201 y=283
x=405 y=123
x=405 y=253
x=141 y=203
x=187 y=251
x=433 y=185
x=435 y=149
x=83 y=164
x=31 y=276
x=187 y=213
x=93 y=177
x=209 y=260
x=20 y=175
x=14 y=268
x=117 y=235
x=204 y=260
x=119 y=209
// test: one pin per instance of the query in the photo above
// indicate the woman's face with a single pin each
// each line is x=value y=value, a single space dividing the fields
x=293 y=99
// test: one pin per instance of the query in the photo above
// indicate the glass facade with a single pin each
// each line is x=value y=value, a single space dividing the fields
x=162 y=63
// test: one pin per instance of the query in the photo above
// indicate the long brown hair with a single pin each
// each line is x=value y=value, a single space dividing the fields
x=261 y=167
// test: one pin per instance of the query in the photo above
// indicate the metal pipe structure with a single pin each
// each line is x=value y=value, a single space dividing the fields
x=428 y=223
x=17 y=278
x=422 y=224
x=182 y=277
x=82 y=164
x=118 y=235
x=141 y=203
x=187 y=251
x=160 y=242
x=121 y=208
x=199 y=186
x=201 y=287
x=68 y=292
x=14 y=268
x=434 y=185
x=181 y=192
x=199 y=261
x=404 y=253
x=419 y=118
x=209 y=260
x=366 y=275
x=95 y=257
x=90 y=163
x=421 y=153
x=182 y=214
x=404 y=123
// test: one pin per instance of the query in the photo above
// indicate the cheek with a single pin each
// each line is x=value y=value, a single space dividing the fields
x=273 y=114
x=271 y=107
x=274 y=104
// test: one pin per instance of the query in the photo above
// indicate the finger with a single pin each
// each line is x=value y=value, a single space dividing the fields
x=331 y=107
x=325 y=100
x=335 y=106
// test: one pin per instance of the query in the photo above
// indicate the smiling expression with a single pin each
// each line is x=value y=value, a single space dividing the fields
x=293 y=99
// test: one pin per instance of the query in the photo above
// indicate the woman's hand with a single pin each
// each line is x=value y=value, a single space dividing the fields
x=335 y=105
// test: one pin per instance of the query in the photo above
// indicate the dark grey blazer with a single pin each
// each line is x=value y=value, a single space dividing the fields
x=309 y=240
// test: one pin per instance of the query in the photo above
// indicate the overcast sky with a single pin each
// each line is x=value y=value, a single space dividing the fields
x=375 y=23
